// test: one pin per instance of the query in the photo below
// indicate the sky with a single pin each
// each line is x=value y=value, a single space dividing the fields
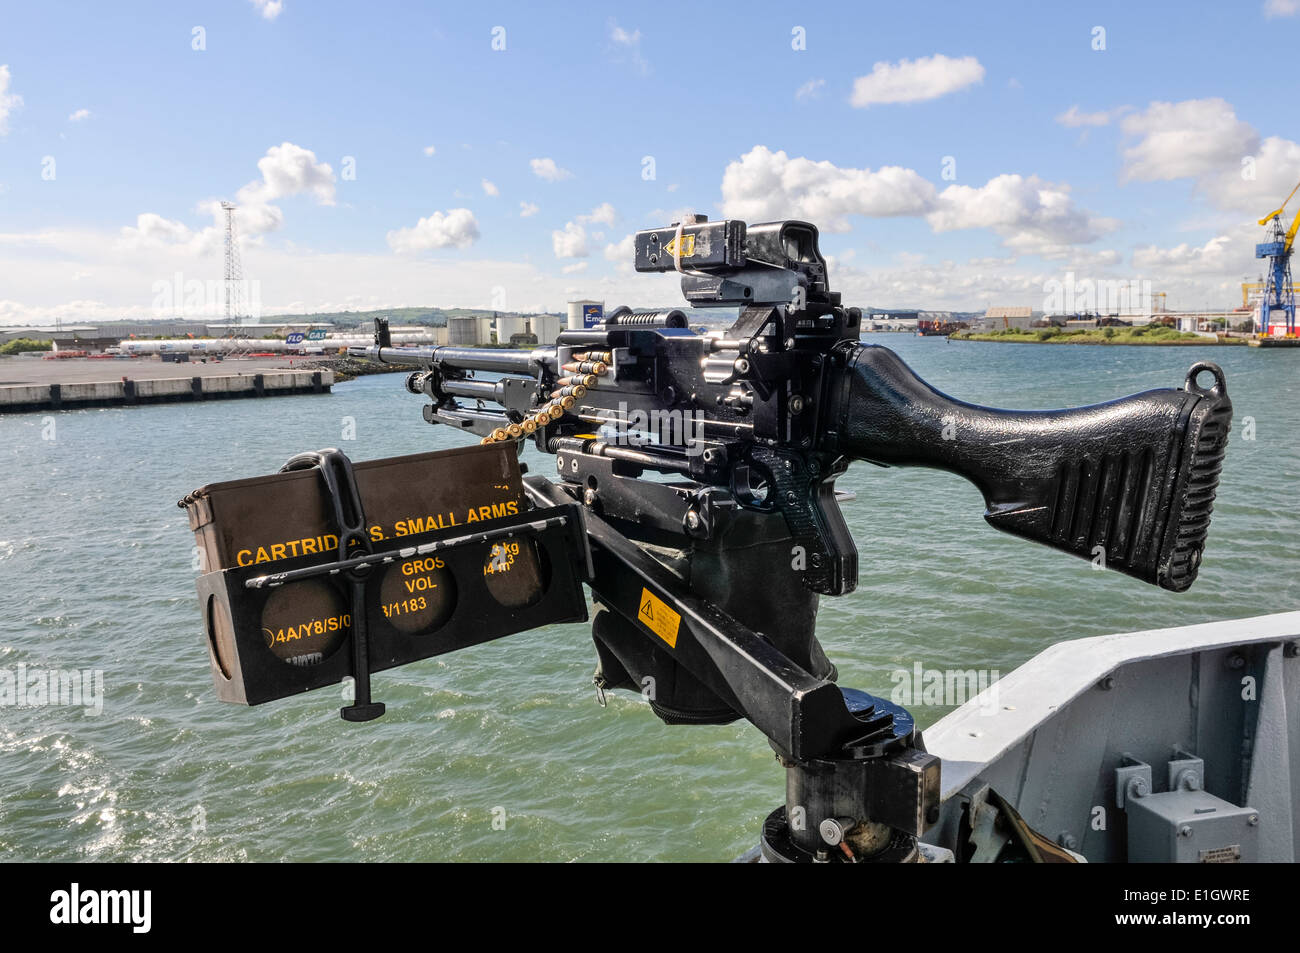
x=501 y=155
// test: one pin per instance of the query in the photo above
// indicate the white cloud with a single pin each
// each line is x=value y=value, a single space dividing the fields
x=1216 y=255
x=912 y=81
x=1256 y=188
x=38 y=289
x=570 y=242
x=1203 y=140
x=289 y=170
x=915 y=283
x=1194 y=275
x=1086 y=261
x=1032 y=216
x=156 y=228
x=763 y=185
x=621 y=252
x=270 y=9
x=1232 y=168
x=252 y=218
x=527 y=209
x=547 y=170
x=1210 y=280
x=490 y=189
x=1281 y=8
x=8 y=101
x=456 y=228
x=296 y=280
x=603 y=214
x=154 y=231
x=629 y=44
x=1185 y=139
x=1223 y=259
x=810 y=89
x=429 y=150
x=670 y=216
x=573 y=269
x=1073 y=119
x=79 y=115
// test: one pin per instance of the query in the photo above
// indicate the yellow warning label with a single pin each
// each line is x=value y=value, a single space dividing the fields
x=688 y=246
x=655 y=615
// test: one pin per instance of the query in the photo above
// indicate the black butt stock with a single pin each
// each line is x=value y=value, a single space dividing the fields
x=1131 y=481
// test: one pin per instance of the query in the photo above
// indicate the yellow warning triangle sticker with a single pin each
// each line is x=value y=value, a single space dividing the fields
x=688 y=246
x=656 y=616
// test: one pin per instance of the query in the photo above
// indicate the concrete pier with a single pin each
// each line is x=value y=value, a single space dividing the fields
x=1274 y=342
x=157 y=384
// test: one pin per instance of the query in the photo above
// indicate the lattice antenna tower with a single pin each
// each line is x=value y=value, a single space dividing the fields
x=234 y=269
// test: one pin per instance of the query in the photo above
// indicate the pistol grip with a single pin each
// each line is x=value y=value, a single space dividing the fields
x=802 y=488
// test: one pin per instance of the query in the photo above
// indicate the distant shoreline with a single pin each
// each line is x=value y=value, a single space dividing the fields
x=350 y=368
x=1131 y=337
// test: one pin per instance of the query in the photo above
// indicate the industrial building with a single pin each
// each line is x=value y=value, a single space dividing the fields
x=893 y=320
x=1004 y=318
x=87 y=337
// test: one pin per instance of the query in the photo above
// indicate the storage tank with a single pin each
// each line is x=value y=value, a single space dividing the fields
x=463 y=331
x=576 y=312
x=546 y=327
x=484 y=330
x=508 y=326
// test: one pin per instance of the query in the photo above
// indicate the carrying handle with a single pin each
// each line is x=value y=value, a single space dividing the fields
x=350 y=518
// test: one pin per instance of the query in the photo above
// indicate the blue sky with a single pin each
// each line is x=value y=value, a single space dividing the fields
x=993 y=149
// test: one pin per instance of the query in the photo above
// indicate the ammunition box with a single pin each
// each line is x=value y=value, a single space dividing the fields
x=271 y=519
x=456 y=558
x=497 y=578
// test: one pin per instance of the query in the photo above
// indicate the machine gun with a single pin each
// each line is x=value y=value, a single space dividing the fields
x=707 y=584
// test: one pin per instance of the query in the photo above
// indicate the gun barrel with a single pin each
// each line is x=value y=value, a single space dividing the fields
x=466 y=358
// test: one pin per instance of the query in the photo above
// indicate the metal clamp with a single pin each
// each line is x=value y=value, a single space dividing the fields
x=1132 y=780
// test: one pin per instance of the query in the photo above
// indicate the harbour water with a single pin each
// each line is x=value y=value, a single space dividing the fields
x=500 y=752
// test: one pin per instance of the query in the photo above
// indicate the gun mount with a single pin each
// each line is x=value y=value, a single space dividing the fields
x=707 y=585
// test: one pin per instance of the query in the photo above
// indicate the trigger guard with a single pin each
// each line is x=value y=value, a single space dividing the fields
x=742 y=487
